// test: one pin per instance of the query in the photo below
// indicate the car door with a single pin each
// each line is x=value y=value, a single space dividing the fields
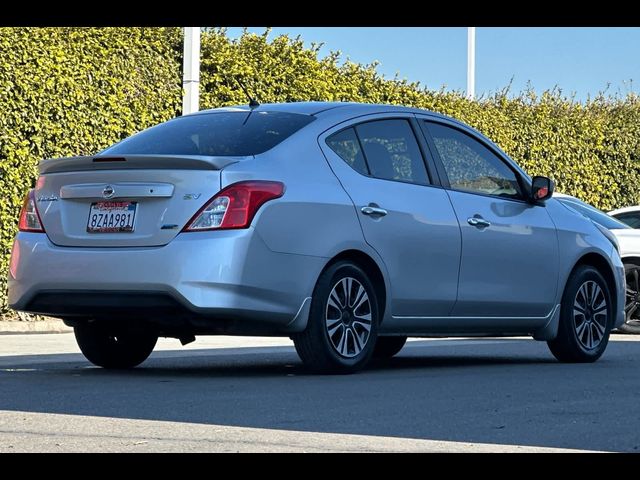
x=509 y=265
x=404 y=217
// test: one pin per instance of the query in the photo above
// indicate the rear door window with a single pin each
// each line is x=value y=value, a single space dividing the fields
x=391 y=151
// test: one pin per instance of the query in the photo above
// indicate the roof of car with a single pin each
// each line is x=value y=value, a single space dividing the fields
x=633 y=208
x=336 y=112
x=317 y=108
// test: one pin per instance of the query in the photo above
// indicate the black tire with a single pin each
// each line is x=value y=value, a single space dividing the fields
x=387 y=347
x=114 y=351
x=632 y=298
x=315 y=346
x=573 y=340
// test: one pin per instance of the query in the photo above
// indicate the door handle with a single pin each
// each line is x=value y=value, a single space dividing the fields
x=374 y=211
x=478 y=222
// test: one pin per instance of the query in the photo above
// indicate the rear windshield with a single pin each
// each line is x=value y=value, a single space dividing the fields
x=214 y=134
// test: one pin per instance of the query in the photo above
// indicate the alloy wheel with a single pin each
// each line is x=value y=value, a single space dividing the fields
x=590 y=314
x=348 y=317
x=632 y=300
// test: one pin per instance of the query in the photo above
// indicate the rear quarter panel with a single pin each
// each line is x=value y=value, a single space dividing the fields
x=315 y=216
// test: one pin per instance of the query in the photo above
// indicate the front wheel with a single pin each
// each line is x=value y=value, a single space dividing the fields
x=343 y=321
x=114 y=350
x=586 y=316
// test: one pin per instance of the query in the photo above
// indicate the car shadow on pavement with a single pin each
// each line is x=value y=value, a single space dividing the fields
x=513 y=394
x=278 y=362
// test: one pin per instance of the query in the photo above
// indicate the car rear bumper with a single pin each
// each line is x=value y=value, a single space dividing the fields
x=220 y=281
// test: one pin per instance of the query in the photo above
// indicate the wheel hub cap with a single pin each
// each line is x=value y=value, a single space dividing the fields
x=590 y=315
x=348 y=317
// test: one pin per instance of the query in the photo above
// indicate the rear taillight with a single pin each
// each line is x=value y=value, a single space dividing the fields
x=235 y=206
x=29 y=217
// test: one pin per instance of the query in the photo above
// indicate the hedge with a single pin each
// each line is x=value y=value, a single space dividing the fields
x=73 y=91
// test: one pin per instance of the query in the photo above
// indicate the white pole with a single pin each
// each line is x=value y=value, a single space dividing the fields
x=191 y=70
x=471 y=62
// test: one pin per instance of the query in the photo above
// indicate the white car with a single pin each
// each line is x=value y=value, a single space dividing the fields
x=628 y=215
x=619 y=222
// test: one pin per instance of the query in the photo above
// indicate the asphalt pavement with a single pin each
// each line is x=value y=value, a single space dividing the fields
x=223 y=394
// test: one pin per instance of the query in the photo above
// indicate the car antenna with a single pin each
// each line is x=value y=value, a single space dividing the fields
x=253 y=103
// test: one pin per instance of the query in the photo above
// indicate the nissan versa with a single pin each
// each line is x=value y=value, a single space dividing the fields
x=348 y=227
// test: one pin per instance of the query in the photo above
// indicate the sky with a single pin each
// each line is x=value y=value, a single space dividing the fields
x=580 y=61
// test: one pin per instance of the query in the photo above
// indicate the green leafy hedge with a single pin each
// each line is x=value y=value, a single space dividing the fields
x=73 y=91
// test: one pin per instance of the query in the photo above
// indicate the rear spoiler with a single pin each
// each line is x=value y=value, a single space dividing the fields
x=125 y=162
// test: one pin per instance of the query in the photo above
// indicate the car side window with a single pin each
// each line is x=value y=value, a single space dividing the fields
x=472 y=167
x=391 y=151
x=345 y=144
x=631 y=219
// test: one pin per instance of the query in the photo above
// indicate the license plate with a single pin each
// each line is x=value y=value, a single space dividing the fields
x=111 y=217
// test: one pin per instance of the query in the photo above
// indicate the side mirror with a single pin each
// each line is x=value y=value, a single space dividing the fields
x=541 y=189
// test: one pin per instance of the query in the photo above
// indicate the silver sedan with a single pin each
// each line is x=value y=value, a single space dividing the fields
x=348 y=227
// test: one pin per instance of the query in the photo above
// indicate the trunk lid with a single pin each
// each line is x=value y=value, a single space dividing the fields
x=162 y=192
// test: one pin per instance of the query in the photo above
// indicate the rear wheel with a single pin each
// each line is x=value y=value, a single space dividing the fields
x=632 y=299
x=585 y=318
x=343 y=321
x=387 y=347
x=114 y=350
